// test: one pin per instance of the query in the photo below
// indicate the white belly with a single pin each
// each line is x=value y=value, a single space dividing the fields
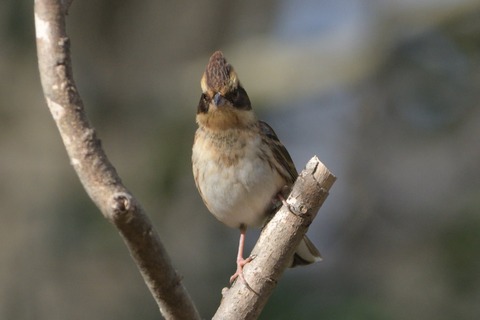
x=240 y=193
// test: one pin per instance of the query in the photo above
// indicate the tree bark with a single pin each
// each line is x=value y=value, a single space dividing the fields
x=95 y=171
x=276 y=245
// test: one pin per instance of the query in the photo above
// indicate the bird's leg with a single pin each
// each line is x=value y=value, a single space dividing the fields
x=282 y=198
x=283 y=194
x=279 y=198
x=241 y=262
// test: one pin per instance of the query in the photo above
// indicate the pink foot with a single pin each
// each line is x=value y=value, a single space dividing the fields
x=239 y=273
x=282 y=198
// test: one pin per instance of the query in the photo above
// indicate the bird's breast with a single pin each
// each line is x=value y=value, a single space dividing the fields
x=234 y=176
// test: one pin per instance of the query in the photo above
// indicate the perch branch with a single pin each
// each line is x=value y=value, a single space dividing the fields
x=95 y=171
x=276 y=244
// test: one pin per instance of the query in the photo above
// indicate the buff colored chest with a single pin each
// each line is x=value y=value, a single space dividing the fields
x=234 y=177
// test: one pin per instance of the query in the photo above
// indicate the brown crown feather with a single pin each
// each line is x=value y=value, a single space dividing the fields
x=217 y=72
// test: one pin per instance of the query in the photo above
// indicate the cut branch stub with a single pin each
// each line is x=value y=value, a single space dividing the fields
x=277 y=243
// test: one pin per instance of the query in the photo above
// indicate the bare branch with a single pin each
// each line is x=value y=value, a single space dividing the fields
x=276 y=244
x=95 y=171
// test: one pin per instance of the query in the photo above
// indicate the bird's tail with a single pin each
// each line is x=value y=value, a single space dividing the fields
x=306 y=253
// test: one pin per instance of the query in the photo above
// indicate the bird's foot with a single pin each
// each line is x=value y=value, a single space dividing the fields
x=239 y=273
x=282 y=198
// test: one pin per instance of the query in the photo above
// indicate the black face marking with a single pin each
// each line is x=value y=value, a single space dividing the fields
x=203 y=104
x=239 y=99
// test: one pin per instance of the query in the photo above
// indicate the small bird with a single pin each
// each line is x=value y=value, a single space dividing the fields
x=239 y=164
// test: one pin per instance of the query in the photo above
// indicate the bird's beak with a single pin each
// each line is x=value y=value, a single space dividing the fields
x=218 y=99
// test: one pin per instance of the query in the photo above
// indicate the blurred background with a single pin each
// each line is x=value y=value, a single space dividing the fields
x=385 y=92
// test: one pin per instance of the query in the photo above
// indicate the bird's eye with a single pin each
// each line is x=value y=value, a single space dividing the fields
x=239 y=99
x=232 y=96
x=203 y=104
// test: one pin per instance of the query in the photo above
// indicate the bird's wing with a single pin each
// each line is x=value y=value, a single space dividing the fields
x=280 y=153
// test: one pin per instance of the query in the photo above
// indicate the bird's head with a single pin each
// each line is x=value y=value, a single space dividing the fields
x=224 y=103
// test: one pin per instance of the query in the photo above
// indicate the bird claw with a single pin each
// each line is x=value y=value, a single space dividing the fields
x=283 y=199
x=239 y=273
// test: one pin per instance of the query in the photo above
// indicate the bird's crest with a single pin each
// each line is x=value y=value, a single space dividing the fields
x=219 y=75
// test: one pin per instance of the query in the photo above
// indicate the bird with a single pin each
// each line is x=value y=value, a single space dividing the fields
x=240 y=167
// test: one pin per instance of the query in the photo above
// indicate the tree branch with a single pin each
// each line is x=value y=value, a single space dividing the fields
x=277 y=243
x=95 y=171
